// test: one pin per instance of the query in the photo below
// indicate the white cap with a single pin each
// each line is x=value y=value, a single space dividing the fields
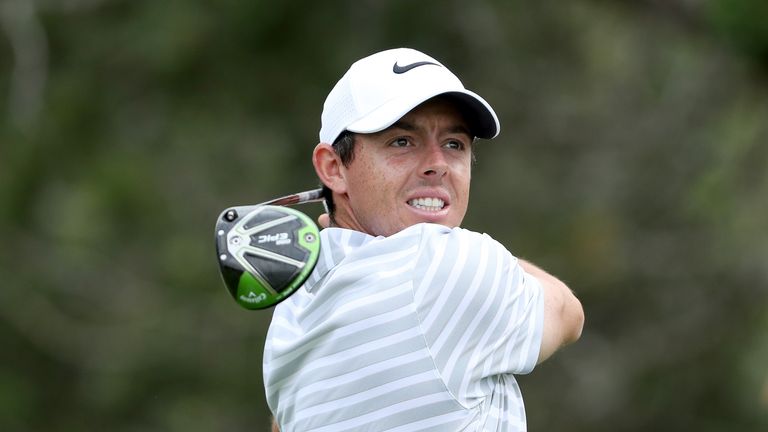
x=379 y=89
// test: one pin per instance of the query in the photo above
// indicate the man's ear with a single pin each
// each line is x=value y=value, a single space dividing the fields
x=329 y=168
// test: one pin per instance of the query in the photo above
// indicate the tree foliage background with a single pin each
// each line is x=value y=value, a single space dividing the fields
x=633 y=163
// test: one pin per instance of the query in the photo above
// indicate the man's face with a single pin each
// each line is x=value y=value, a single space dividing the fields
x=417 y=170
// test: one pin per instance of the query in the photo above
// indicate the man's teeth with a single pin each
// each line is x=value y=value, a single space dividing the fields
x=429 y=204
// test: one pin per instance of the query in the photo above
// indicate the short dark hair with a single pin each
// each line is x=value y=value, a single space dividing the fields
x=344 y=146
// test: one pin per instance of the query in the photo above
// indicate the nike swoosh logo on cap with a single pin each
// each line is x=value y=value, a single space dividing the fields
x=403 y=69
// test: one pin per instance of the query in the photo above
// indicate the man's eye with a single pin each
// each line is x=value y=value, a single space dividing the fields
x=456 y=145
x=400 y=142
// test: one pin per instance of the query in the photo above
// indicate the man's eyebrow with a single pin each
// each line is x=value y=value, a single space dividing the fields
x=408 y=126
x=404 y=125
x=460 y=129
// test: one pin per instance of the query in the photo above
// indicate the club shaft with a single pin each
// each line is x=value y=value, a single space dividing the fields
x=313 y=195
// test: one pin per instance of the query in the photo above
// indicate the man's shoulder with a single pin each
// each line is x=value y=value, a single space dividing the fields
x=429 y=233
x=420 y=238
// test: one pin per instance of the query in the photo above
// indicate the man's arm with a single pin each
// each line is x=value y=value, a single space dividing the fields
x=563 y=314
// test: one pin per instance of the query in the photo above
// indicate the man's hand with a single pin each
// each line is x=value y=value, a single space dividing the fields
x=324 y=221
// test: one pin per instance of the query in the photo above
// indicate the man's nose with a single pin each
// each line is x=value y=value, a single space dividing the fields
x=435 y=164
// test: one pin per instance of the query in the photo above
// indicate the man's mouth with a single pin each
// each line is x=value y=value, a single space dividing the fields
x=427 y=204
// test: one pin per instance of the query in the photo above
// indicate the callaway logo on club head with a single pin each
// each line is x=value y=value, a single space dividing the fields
x=403 y=69
x=253 y=298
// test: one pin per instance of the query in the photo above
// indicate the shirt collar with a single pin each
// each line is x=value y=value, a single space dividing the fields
x=335 y=245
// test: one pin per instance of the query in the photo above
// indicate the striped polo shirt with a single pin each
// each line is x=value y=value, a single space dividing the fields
x=419 y=331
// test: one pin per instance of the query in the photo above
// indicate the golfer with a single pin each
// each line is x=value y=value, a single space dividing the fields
x=409 y=322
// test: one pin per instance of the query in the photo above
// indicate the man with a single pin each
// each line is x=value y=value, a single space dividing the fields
x=408 y=322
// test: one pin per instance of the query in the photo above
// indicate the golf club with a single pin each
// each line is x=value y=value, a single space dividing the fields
x=267 y=251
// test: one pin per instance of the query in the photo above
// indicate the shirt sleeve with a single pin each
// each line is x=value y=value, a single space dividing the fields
x=480 y=313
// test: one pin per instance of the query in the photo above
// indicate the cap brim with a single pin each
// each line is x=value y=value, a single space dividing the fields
x=482 y=119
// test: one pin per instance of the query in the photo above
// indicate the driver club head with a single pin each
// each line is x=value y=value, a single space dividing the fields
x=265 y=252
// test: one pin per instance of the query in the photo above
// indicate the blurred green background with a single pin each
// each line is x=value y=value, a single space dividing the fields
x=632 y=163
